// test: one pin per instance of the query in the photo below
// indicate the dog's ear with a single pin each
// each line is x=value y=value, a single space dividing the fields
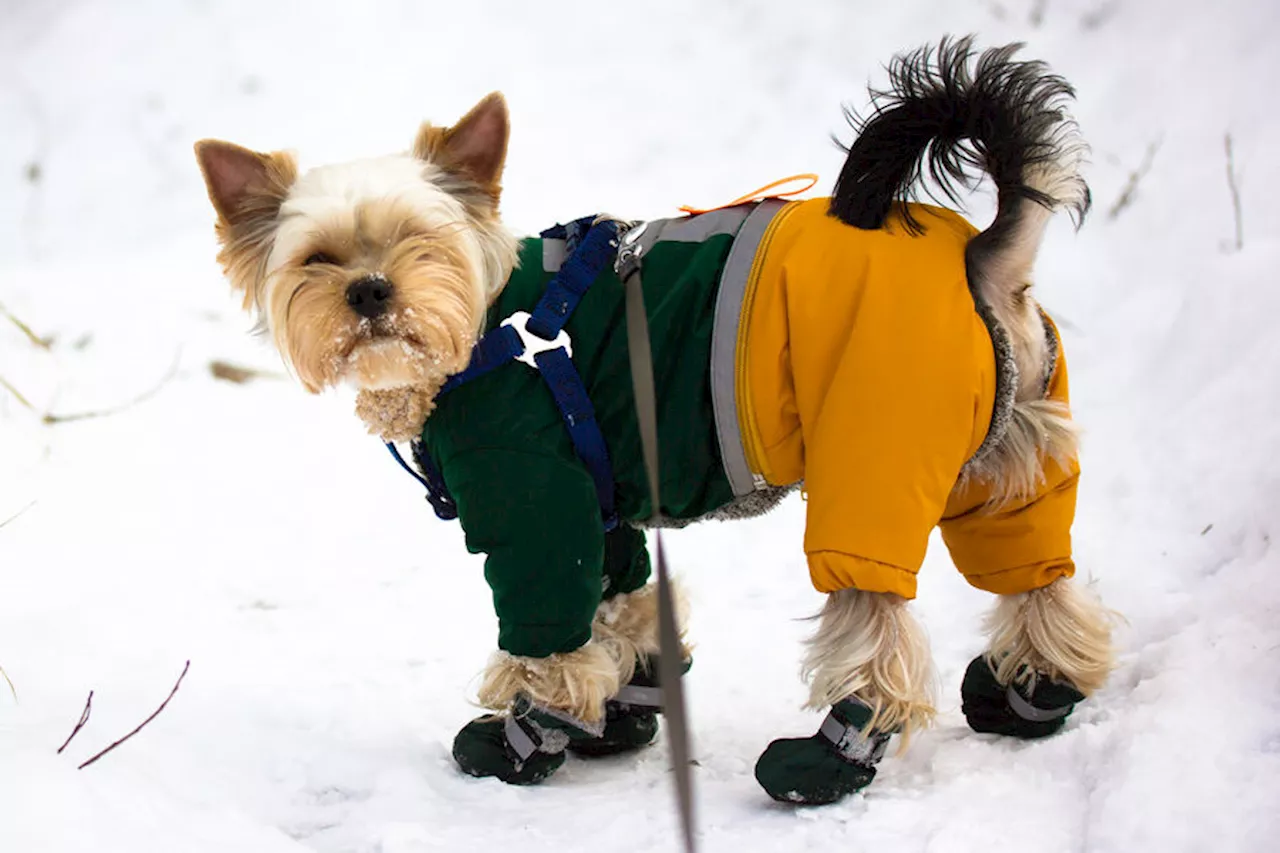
x=476 y=146
x=244 y=185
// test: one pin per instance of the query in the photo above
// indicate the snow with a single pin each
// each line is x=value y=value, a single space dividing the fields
x=335 y=628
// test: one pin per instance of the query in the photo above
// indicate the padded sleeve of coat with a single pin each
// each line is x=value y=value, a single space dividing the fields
x=894 y=428
x=1024 y=545
x=537 y=518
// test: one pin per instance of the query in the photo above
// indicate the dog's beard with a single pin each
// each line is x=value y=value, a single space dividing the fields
x=426 y=335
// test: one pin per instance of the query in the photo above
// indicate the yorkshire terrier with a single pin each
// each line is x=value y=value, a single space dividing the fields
x=881 y=351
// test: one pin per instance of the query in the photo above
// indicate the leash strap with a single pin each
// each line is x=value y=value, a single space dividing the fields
x=670 y=657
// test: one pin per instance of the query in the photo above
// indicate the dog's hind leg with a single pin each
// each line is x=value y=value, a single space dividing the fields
x=1049 y=648
x=869 y=661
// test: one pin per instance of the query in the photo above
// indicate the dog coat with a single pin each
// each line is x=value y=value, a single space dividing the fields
x=787 y=348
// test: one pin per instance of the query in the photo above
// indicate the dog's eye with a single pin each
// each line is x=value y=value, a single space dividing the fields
x=319 y=258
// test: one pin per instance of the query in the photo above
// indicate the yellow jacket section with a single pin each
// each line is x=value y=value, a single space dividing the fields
x=865 y=371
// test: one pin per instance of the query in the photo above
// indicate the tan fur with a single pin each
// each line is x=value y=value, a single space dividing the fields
x=395 y=414
x=246 y=189
x=476 y=145
x=869 y=645
x=576 y=682
x=1060 y=631
x=627 y=627
x=1038 y=430
x=429 y=331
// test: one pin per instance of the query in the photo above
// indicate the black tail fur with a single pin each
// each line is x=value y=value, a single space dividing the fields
x=1009 y=114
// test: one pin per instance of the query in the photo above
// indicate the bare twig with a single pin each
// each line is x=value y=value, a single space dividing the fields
x=1235 y=193
x=234 y=373
x=1135 y=177
x=16 y=515
x=44 y=343
x=50 y=418
x=16 y=393
x=84 y=718
x=155 y=714
x=12 y=689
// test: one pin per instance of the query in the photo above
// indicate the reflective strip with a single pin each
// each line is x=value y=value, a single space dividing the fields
x=553 y=254
x=851 y=743
x=693 y=229
x=637 y=696
x=518 y=739
x=1027 y=711
x=724 y=345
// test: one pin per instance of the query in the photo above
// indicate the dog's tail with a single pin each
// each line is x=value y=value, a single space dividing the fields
x=1006 y=118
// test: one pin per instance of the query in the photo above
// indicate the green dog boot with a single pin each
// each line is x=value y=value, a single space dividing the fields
x=994 y=708
x=824 y=768
x=631 y=717
x=522 y=747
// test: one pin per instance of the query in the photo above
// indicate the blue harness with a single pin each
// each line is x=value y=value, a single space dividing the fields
x=539 y=340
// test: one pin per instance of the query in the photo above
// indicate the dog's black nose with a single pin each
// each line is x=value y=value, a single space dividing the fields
x=369 y=297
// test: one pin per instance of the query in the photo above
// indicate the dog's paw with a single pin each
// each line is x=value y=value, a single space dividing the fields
x=394 y=414
x=993 y=708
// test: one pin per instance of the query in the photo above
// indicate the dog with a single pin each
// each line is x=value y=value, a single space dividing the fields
x=881 y=351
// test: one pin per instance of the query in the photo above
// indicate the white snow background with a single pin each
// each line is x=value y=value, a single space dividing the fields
x=335 y=628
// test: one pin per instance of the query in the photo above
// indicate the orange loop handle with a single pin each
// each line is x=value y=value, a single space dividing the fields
x=760 y=194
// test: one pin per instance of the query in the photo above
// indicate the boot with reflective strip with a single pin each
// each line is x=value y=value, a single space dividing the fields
x=994 y=708
x=521 y=747
x=631 y=717
x=819 y=770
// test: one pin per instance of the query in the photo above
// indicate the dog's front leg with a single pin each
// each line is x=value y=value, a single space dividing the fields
x=1049 y=649
x=869 y=662
x=541 y=705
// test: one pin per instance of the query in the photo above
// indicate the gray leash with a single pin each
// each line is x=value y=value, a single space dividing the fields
x=670 y=659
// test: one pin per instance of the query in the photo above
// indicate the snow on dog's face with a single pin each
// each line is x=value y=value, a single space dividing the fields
x=375 y=272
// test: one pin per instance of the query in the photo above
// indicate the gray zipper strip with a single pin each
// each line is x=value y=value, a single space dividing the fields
x=724 y=344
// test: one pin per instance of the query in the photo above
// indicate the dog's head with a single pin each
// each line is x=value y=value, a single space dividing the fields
x=375 y=272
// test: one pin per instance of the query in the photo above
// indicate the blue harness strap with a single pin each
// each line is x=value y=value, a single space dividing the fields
x=539 y=340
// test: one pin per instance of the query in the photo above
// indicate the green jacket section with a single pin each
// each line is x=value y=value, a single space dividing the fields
x=523 y=496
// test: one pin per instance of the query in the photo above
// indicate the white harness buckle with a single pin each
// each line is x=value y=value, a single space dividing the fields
x=534 y=344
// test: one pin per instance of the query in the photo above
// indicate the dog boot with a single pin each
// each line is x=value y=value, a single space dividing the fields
x=992 y=708
x=523 y=746
x=819 y=770
x=631 y=717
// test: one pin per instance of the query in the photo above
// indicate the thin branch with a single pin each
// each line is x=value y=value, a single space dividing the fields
x=16 y=515
x=1235 y=193
x=84 y=718
x=236 y=374
x=12 y=689
x=43 y=343
x=16 y=393
x=1135 y=177
x=155 y=714
x=50 y=418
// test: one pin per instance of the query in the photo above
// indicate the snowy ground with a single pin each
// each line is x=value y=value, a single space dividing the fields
x=335 y=628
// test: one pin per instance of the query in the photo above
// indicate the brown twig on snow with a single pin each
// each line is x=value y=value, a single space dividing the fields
x=1235 y=193
x=84 y=718
x=234 y=373
x=49 y=418
x=42 y=342
x=1131 y=188
x=16 y=393
x=12 y=689
x=154 y=714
